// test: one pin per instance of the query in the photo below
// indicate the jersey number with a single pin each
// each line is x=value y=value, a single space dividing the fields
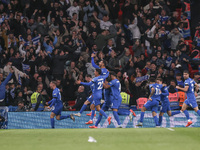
x=100 y=85
x=157 y=91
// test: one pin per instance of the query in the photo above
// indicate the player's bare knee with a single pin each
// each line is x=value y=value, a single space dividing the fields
x=86 y=102
x=169 y=113
x=154 y=113
x=57 y=117
x=196 y=109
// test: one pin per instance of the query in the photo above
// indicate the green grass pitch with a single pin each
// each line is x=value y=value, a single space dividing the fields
x=107 y=139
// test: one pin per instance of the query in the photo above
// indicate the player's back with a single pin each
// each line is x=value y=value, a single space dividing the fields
x=164 y=94
x=116 y=89
x=98 y=85
x=190 y=82
x=57 y=96
x=157 y=87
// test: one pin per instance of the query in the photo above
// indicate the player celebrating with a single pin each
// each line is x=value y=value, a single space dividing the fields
x=153 y=102
x=101 y=66
x=106 y=105
x=191 y=99
x=165 y=105
x=57 y=102
x=115 y=98
x=97 y=91
x=89 y=100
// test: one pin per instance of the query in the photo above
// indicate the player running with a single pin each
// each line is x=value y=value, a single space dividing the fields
x=87 y=102
x=165 y=105
x=191 y=99
x=57 y=102
x=154 y=99
x=97 y=91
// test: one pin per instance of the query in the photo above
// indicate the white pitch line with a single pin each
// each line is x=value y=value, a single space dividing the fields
x=170 y=129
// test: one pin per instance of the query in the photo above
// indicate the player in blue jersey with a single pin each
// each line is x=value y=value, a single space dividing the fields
x=88 y=78
x=165 y=105
x=97 y=91
x=190 y=84
x=58 y=105
x=115 y=97
x=101 y=66
x=154 y=99
x=106 y=104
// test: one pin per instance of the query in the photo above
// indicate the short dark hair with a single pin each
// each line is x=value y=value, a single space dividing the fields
x=113 y=73
x=54 y=82
x=178 y=74
x=98 y=70
x=186 y=71
x=152 y=79
x=88 y=75
x=160 y=79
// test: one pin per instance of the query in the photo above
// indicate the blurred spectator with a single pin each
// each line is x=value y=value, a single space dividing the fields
x=20 y=107
x=46 y=40
x=37 y=101
x=81 y=98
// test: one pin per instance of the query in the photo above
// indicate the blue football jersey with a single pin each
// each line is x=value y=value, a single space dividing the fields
x=190 y=82
x=115 y=88
x=57 y=96
x=157 y=87
x=98 y=85
x=164 y=94
x=107 y=94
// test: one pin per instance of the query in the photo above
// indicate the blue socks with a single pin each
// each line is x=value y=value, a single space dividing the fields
x=156 y=120
x=198 y=112
x=52 y=122
x=98 y=120
x=103 y=113
x=116 y=117
x=175 y=112
x=83 y=108
x=160 y=120
x=64 y=117
x=141 y=116
x=92 y=115
x=186 y=114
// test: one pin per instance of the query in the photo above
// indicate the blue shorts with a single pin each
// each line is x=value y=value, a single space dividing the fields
x=90 y=99
x=192 y=103
x=165 y=107
x=106 y=105
x=97 y=100
x=58 y=110
x=116 y=103
x=152 y=105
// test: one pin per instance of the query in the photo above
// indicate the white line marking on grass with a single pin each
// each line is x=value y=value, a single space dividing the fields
x=170 y=129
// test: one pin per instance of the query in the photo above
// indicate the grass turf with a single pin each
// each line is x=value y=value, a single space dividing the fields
x=111 y=139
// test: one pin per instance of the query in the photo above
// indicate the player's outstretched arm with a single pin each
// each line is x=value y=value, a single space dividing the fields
x=185 y=89
x=152 y=92
x=106 y=86
x=88 y=83
x=52 y=102
x=93 y=63
x=106 y=75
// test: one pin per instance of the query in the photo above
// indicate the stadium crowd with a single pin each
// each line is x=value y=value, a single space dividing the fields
x=45 y=40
